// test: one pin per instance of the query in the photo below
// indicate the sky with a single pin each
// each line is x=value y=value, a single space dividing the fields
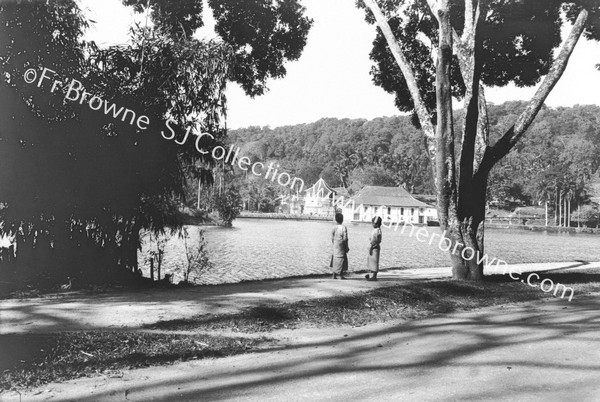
x=331 y=78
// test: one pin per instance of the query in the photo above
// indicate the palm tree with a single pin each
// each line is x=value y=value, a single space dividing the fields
x=545 y=193
x=341 y=169
x=358 y=160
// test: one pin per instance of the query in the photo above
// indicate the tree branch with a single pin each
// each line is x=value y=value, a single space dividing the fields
x=471 y=73
x=420 y=108
x=483 y=130
x=408 y=73
x=469 y=19
x=511 y=137
x=445 y=158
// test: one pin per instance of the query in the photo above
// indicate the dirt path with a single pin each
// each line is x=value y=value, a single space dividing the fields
x=528 y=352
x=132 y=309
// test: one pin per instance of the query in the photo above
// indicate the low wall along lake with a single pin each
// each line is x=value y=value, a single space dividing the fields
x=256 y=249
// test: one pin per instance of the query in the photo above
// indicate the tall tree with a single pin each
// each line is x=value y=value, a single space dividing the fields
x=79 y=184
x=428 y=52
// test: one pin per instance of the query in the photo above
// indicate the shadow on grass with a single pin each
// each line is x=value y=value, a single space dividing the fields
x=589 y=277
x=254 y=319
x=34 y=359
x=404 y=301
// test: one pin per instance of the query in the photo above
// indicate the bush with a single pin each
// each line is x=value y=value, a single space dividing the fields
x=588 y=215
x=196 y=255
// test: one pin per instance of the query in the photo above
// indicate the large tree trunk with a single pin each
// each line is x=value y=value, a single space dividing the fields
x=462 y=206
x=467 y=234
x=471 y=200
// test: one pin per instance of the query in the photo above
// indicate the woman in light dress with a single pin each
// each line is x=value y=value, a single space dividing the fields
x=374 y=249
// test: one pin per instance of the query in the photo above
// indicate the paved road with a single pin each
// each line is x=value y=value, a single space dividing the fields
x=127 y=309
x=546 y=351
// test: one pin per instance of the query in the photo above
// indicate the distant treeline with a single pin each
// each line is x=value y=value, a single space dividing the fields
x=558 y=158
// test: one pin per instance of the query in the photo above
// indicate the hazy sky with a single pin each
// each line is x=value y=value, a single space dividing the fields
x=331 y=79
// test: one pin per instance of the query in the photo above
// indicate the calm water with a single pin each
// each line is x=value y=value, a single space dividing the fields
x=264 y=248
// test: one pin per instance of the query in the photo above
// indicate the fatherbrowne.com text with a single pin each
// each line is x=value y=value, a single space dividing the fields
x=467 y=253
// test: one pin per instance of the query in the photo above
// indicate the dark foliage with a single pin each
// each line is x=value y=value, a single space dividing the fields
x=77 y=185
x=516 y=40
x=264 y=34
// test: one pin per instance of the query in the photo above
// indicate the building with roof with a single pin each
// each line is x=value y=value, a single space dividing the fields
x=319 y=199
x=392 y=204
x=431 y=212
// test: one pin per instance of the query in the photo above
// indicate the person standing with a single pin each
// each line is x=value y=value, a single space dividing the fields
x=339 y=255
x=374 y=249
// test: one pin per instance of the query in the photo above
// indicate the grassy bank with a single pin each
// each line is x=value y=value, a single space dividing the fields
x=410 y=301
x=28 y=360
x=414 y=300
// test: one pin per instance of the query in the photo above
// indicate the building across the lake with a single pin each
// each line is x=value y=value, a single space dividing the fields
x=392 y=204
x=318 y=199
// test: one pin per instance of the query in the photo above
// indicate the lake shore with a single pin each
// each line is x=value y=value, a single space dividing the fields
x=549 y=229
x=84 y=310
x=301 y=217
x=278 y=215
x=492 y=225
x=256 y=249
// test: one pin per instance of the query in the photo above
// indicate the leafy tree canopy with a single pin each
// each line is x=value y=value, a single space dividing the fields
x=515 y=41
x=264 y=34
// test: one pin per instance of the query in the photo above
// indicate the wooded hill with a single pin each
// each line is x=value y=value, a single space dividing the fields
x=558 y=158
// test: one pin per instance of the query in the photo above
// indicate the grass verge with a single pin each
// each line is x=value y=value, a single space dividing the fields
x=406 y=301
x=29 y=360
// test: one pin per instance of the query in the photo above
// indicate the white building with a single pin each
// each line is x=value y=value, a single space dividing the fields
x=392 y=204
x=318 y=199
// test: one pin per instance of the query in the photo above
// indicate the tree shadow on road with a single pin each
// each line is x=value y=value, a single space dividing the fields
x=477 y=332
x=477 y=341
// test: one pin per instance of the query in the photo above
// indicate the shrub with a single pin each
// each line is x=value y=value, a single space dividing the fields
x=196 y=255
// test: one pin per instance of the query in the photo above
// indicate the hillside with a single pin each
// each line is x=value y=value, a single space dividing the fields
x=559 y=155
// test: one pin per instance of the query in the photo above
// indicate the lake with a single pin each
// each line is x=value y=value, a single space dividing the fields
x=267 y=248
